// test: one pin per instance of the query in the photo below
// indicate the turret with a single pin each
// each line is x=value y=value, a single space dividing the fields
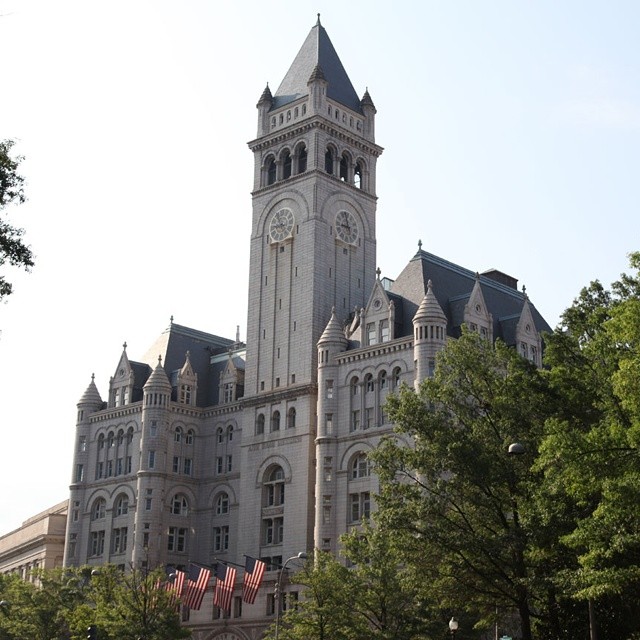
x=153 y=464
x=369 y=110
x=429 y=332
x=331 y=343
x=264 y=106
x=317 y=84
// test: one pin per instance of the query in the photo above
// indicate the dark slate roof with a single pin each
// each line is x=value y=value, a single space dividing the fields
x=173 y=345
x=317 y=51
x=452 y=286
x=141 y=373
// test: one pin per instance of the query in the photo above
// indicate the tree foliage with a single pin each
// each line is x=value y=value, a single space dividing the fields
x=590 y=454
x=13 y=251
x=63 y=603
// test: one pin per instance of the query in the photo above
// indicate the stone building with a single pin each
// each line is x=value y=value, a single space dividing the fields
x=37 y=544
x=206 y=448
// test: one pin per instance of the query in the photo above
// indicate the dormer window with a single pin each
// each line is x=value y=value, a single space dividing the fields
x=185 y=394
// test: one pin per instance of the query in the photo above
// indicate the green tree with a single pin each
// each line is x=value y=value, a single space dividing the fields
x=13 y=251
x=325 y=611
x=389 y=594
x=64 y=602
x=590 y=453
x=134 y=606
x=472 y=513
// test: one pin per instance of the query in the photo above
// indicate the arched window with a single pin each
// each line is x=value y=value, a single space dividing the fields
x=129 y=435
x=101 y=441
x=230 y=433
x=344 y=168
x=110 y=440
x=357 y=175
x=275 y=421
x=122 y=505
x=177 y=436
x=120 y=437
x=222 y=504
x=271 y=170
x=99 y=509
x=291 y=418
x=395 y=377
x=260 y=424
x=382 y=380
x=302 y=158
x=190 y=435
x=360 y=467
x=286 y=165
x=274 y=487
x=328 y=162
x=220 y=435
x=368 y=383
x=179 y=505
x=355 y=386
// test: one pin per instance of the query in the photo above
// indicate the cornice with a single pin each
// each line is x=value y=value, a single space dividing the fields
x=323 y=124
x=281 y=395
x=366 y=353
x=278 y=186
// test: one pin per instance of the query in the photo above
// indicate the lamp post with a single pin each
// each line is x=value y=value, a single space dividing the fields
x=453 y=626
x=276 y=596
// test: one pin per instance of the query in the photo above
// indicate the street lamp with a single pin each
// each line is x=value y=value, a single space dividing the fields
x=276 y=596
x=453 y=626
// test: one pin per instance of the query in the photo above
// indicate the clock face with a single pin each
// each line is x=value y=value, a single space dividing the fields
x=346 y=227
x=281 y=225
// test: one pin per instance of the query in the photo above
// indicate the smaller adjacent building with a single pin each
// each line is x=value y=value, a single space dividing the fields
x=37 y=544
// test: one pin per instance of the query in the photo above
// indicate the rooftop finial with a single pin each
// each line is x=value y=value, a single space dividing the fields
x=171 y=319
x=318 y=23
x=378 y=272
x=419 y=245
x=524 y=289
x=159 y=360
x=93 y=377
x=124 y=345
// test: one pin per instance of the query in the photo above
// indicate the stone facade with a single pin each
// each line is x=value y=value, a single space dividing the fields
x=208 y=449
x=37 y=544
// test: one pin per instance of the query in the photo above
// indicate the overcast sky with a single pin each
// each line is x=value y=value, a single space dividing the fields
x=511 y=134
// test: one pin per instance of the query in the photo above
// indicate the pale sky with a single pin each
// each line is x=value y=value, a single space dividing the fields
x=511 y=133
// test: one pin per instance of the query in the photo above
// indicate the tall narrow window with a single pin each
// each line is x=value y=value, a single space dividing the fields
x=271 y=171
x=328 y=162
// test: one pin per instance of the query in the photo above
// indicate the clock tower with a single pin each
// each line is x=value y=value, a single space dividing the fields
x=313 y=249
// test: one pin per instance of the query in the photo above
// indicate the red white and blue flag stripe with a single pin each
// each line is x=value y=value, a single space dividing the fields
x=225 y=581
x=253 y=573
x=197 y=582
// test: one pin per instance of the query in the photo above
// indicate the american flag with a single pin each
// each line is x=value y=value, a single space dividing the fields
x=253 y=572
x=225 y=580
x=197 y=582
x=174 y=583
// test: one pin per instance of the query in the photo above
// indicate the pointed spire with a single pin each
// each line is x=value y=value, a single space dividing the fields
x=158 y=378
x=366 y=100
x=333 y=331
x=91 y=396
x=316 y=74
x=430 y=307
x=317 y=50
x=265 y=97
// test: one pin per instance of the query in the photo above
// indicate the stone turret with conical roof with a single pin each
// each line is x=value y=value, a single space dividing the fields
x=331 y=343
x=153 y=469
x=429 y=333
x=264 y=106
x=90 y=398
